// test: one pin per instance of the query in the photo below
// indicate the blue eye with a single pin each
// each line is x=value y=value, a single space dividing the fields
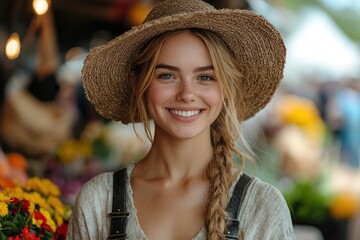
x=165 y=76
x=206 y=78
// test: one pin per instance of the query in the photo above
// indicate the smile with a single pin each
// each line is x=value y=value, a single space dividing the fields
x=184 y=113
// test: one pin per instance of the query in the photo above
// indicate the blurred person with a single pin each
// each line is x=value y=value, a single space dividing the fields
x=43 y=84
x=34 y=119
x=197 y=72
x=343 y=115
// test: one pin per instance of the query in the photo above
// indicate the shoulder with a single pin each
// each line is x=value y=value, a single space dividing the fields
x=95 y=192
x=99 y=184
x=102 y=183
x=89 y=216
x=265 y=198
x=264 y=212
x=99 y=189
x=264 y=191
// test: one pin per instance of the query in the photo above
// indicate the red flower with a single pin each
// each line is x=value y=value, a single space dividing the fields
x=25 y=205
x=46 y=227
x=25 y=235
x=39 y=216
x=61 y=231
x=14 y=238
x=15 y=201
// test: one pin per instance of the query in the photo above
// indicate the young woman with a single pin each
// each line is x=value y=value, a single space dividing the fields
x=197 y=73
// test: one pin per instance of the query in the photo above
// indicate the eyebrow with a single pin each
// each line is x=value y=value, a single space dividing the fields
x=165 y=66
x=173 y=68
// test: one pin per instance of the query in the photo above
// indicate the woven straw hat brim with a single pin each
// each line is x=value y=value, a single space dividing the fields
x=256 y=44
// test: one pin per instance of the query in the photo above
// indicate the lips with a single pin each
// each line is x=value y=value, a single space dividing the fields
x=183 y=113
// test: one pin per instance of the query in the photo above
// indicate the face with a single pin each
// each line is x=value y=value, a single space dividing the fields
x=184 y=96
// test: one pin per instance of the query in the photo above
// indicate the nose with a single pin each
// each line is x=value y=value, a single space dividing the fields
x=186 y=92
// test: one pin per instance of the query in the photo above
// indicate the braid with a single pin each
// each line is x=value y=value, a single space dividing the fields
x=219 y=173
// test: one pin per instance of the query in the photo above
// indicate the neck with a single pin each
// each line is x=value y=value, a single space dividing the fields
x=178 y=158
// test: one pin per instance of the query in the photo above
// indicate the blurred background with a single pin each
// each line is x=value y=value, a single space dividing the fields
x=306 y=141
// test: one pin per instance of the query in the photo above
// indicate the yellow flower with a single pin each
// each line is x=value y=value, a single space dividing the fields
x=53 y=190
x=59 y=219
x=3 y=197
x=3 y=209
x=42 y=195
x=36 y=198
x=36 y=222
x=302 y=112
x=16 y=192
x=31 y=208
x=35 y=184
x=49 y=220
x=57 y=205
x=55 y=202
x=43 y=186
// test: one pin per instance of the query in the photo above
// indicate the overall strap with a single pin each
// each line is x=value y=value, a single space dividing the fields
x=233 y=208
x=119 y=215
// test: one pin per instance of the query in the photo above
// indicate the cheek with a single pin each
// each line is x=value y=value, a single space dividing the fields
x=155 y=96
x=215 y=98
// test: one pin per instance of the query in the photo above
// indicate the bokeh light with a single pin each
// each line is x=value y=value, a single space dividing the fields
x=13 y=46
x=40 y=6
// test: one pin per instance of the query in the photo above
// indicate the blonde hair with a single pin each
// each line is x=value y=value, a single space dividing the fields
x=225 y=129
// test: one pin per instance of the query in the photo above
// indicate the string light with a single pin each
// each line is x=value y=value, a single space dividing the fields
x=40 y=6
x=13 y=46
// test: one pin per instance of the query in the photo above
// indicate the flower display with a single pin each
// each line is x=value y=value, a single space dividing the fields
x=313 y=203
x=32 y=210
x=310 y=201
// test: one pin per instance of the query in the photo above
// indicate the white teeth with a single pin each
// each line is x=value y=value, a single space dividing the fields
x=185 y=113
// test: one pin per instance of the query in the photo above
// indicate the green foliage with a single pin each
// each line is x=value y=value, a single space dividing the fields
x=308 y=202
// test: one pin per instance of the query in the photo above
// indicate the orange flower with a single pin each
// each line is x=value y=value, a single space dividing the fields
x=6 y=183
x=343 y=205
x=16 y=160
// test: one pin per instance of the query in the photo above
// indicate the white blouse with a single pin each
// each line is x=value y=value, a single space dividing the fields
x=263 y=215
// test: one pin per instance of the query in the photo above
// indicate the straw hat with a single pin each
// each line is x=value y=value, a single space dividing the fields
x=256 y=44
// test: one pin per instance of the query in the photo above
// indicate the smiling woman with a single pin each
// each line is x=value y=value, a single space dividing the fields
x=197 y=74
x=179 y=101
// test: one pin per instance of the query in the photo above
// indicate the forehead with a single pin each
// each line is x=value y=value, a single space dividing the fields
x=184 y=45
